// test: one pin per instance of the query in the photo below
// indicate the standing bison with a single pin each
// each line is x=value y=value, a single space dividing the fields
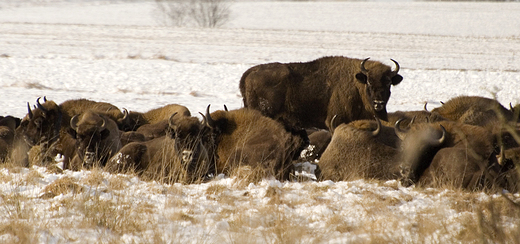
x=310 y=94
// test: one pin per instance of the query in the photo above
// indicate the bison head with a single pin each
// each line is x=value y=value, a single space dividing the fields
x=191 y=140
x=42 y=124
x=419 y=145
x=377 y=81
x=90 y=131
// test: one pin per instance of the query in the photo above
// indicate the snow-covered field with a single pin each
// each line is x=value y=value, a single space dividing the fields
x=118 y=52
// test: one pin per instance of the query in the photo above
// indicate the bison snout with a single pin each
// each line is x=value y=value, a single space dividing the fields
x=379 y=105
x=187 y=156
x=89 y=158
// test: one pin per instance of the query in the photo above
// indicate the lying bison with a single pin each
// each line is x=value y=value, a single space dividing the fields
x=244 y=137
x=133 y=120
x=96 y=139
x=463 y=157
x=310 y=94
x=475 y=110
x=48 y=123
x=177 y=157
x=361 y=149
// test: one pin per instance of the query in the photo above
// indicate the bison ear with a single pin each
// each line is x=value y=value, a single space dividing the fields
x=361 y=78
x=396 y=79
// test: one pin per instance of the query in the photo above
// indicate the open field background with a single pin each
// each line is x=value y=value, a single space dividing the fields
x=119 y=52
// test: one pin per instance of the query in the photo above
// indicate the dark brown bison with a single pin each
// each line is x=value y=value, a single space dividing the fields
x=361 y=149
x=463 y=157
x=7 y=133
x=96 y=139
x=48 y=123
x=133 y=120
x=244 y=137
x=304 y=95
x=177 y=157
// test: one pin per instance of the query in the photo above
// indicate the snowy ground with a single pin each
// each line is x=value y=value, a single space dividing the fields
x=118 y=52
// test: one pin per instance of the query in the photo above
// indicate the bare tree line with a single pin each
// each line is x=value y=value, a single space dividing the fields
x=203 y=13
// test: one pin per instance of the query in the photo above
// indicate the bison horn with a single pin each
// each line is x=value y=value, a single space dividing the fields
x=203 y=118
x=44 y=99
x=40 y=106
x=125 y=114
x=426 y=106
x=209 y=121
x=225 y=108
x=30 y=112
x=398 y=131
x=74 y=122
x=333 y=124
x=103 y=125
x=397 y=67
x=170 y=120
x=378 y=129
x=511 y=107
x=442 y=138
x=362 y=66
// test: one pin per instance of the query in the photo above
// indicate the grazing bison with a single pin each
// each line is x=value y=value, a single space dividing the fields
x=133 y=120
x=96 y=139
x=244 y=137
x=463 y=157
x=361 y=149
x=178 y=156
x=304 y=95
x=48 y=123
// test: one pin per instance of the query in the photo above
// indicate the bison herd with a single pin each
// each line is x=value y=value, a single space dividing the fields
x=330 y=112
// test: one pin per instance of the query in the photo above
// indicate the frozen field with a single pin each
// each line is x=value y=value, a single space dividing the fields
x=118 y=52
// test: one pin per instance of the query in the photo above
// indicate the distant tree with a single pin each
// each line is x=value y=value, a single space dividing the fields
x=204 y=13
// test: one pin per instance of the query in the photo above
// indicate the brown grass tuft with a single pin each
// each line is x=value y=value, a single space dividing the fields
x=61 y=186
x=94 y=178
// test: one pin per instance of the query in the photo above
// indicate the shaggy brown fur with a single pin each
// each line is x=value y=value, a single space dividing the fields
x=7 y=129
x=310 y=94
x=133 y=120
x=474 y=110
x=177 y=157
x=155 y=130
x=354 y=153
x=465 y=159
x=48 y=123
x=421 y=116
x=96 y=139
x=246 y=137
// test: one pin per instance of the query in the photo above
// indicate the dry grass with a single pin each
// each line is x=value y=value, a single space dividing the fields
x=245 y=175
x=60 y=186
